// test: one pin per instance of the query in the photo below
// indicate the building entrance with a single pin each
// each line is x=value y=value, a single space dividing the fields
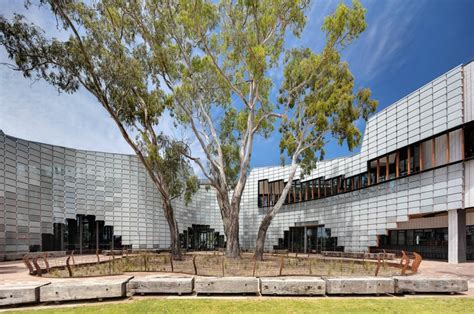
x=308 y=239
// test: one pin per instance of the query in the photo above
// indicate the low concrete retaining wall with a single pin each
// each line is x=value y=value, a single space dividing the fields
x=224 y=285
x=364 y=285
x=19 y=293
x=160 y=285
x=74 y=289
x=429 y=285
x=84 y=290
x=292 y=286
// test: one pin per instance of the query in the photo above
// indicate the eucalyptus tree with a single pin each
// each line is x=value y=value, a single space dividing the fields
x=226 y=50
x=105 y=56
x=321 y=103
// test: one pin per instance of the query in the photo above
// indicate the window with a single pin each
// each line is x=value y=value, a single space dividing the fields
x=437 y=151
x=334 y=186
x=276 y=189
x=314 y=189
x=455 y=146
x=341 y=183
x=348 y=185
x=364 y=180
x=401 y=237
x=297 y=191
x=410 y=237
x=304 y=195
x=321 y=191
x=392 y=169
x=357 y=182
x=441 y=150
x=263 y=193
x=427 y=154
x=393 y=234
x=270 y=194
x=310 y=190
x=291 y=193
x=327 y=184
x=414 y=158
x=382 y=169
x=403 y=162
x=469 y=140
x=372 y=172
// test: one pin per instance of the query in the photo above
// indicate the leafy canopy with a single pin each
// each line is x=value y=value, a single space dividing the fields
x=318 y=89
x=107 y=56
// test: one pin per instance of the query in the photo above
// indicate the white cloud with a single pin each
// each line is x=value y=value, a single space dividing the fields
x=387 y=33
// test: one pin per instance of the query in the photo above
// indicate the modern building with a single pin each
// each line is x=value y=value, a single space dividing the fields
x=411 y=187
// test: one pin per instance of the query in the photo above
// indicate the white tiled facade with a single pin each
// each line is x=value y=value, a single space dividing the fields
x=356 y=218
x=41 y=184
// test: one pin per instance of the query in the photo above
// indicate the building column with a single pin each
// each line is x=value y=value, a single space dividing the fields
x=80 y=233
x=61 y=229
x=97 y=237
x=305 y=239
x=456 y=236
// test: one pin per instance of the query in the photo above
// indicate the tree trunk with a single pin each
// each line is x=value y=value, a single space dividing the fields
x=261 y=236
x=175 y=245
x=230 y=220
x=267 y=220
x=232 y=237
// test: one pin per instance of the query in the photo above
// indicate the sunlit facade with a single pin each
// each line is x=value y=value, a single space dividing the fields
x=411 y=187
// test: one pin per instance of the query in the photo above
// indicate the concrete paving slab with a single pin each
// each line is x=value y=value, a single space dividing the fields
x=361 y=285
x=224 y=285
x=292 y=286
x=160 y=285
x=84 y=290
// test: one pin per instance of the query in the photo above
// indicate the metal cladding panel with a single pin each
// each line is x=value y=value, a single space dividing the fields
x=468 y=76
x=358 y=217
x=468 y=184
x=44 y=184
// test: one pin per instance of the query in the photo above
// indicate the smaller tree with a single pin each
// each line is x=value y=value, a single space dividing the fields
x=319 y=97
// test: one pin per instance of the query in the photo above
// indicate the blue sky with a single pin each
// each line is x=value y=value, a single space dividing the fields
x=407 y=43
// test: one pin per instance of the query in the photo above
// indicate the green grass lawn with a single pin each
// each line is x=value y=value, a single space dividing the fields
x=277 y=305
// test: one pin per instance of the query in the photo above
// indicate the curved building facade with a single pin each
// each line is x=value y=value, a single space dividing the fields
x=54 y=198
x=410 y=187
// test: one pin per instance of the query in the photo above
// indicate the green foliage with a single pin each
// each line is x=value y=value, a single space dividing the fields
x=223 y=92
x=318 y=90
